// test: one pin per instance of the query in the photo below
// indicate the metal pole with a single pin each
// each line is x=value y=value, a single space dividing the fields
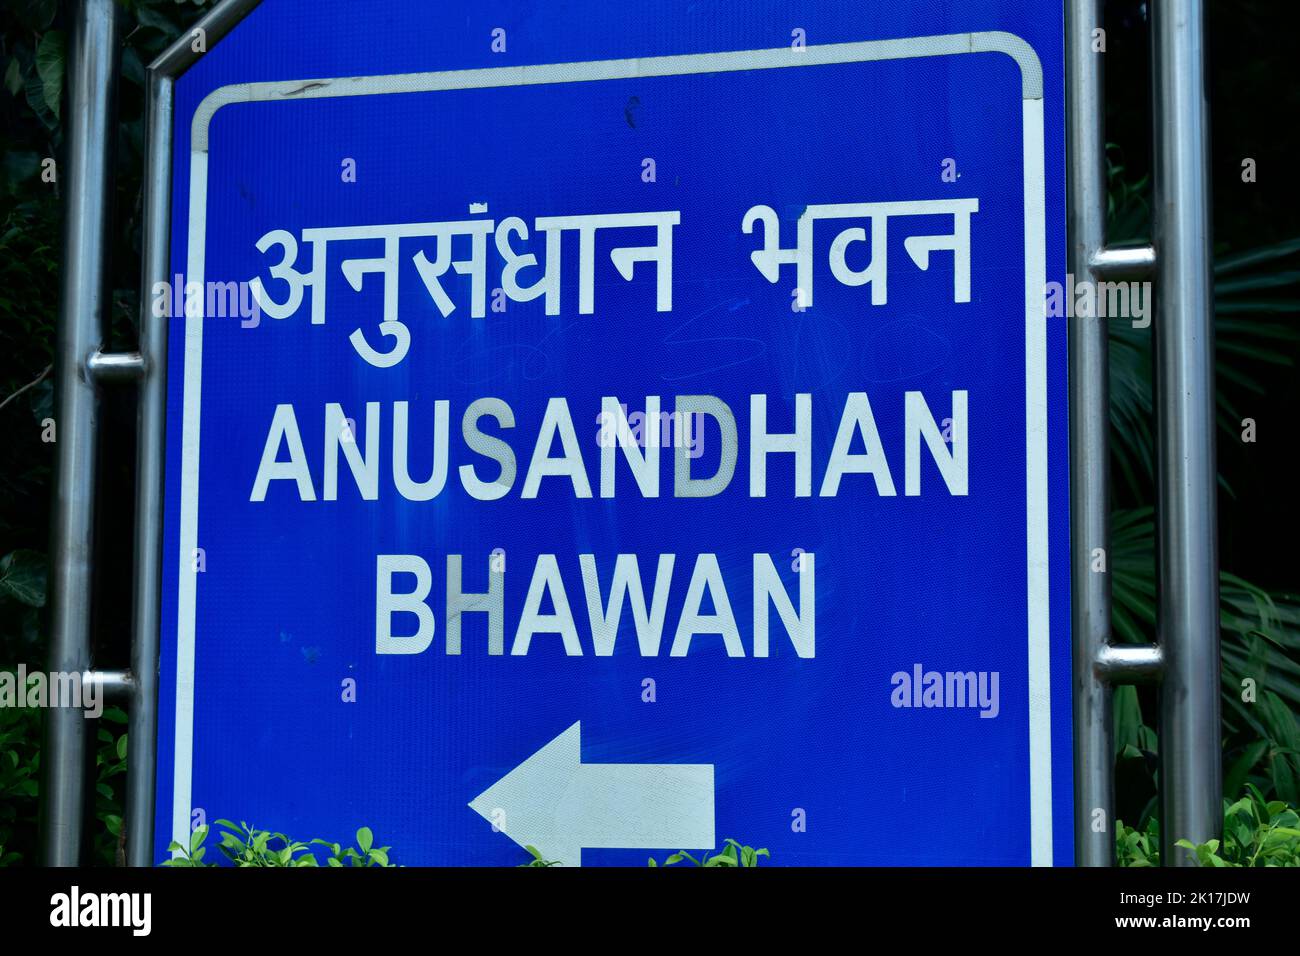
x=151 y=363
x=1094 y=841
x=1191 y=780
x=92 y=81
x=150 y=432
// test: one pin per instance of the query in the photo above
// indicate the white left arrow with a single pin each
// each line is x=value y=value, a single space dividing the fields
x=560 y=805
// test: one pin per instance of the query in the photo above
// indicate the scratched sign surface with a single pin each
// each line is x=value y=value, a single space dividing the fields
x=617 y=430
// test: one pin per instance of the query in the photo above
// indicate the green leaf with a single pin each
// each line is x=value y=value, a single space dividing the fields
x=50 y=55
x=1254 y=257
x=1268 y=280
x=14 y=76
x=1243 y=765
x=35 y=14
x=148 y=17
x=22 y=577
x=365 y=839
x=1128 y=724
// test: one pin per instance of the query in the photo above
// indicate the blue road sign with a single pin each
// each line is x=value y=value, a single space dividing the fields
x=615 y=429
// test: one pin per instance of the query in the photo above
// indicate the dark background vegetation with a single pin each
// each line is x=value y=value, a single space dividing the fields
x=1256 y=105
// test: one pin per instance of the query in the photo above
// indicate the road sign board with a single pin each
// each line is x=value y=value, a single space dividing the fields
x=614 y=432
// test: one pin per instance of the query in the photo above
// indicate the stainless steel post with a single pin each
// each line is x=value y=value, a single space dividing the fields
x=89 y=118
x=1191 y=780
x=1094 y=798
x=150 y=432
x=151 y=422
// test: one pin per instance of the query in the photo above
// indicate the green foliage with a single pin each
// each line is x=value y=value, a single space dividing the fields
x=20 y=753
x=1260 y=630
x=1260 y=644
x=22 y=593
x=366 y=854
x=50 y=54
x=246 y=846
x=1249 y=328
x=733 y=854
x=1127 y=209
x=193 y=854
x=110 y=787
x=33 y=51
x=22 y=577
x=1248 y=335
x=1256 y=832
x=1135 y=847
x=538 y=859
x=19 y=767
x=28 y=303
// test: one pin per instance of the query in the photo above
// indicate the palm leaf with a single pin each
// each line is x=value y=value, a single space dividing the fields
x=1260 y=634
x=1245 y=284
